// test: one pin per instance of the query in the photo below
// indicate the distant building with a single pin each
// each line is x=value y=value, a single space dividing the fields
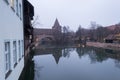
x=113 y=38
x=57 y=26
x=114 y=34
x=47 y=33
x=110 y=38
x=11 y=39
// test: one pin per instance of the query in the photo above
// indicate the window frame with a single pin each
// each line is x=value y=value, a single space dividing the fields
x=19 y=50
x=22 y=48
x=7 y=54
x=20 y=11
x=17 y=7
x=14 y=53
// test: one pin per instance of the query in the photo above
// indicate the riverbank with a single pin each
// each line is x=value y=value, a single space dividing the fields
x=112 y=46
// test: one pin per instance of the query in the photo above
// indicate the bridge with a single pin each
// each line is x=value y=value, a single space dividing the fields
x=41 y=35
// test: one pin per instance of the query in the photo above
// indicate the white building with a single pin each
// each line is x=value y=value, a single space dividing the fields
x=11 y=39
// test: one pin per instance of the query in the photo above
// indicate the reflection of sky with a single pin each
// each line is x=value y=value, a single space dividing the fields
x=74 y=68
x=75 y=12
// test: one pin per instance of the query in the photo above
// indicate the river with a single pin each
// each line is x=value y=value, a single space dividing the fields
x=83 y=63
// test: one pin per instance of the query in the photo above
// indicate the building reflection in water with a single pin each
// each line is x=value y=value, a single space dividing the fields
x=96 y=55
x=28 y=73
x=56 y=52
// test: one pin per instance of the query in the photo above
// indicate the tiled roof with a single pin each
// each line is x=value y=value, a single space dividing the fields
x=110 y=37
x=112 y=27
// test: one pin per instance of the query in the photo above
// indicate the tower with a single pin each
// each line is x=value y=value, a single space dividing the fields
x=56 y=25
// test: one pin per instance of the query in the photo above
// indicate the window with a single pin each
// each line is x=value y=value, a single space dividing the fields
x=20 y=11
x=7 y=59
x=17 y=7
x=19 y=46
x=22 y=48
x=14 y=53
x=12 y=4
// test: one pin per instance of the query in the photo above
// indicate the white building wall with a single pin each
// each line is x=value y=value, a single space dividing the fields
x=1 y=59
x=11 y=29
x=16 y=72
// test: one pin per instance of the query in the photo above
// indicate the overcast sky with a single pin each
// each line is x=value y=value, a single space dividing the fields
x=77 y=12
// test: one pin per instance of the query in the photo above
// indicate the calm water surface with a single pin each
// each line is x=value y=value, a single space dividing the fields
x=76 y=64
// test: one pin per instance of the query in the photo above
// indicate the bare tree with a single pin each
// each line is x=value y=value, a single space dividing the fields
x=92 y=32
x=66 y=34
x=36 y=21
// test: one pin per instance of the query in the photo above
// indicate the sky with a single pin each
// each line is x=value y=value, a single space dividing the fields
x=73 y=13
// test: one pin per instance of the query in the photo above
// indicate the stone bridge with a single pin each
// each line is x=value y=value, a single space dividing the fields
x=46 y=34
x=43 y=35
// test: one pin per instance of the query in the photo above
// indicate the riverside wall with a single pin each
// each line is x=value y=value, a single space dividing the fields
x=104 y=45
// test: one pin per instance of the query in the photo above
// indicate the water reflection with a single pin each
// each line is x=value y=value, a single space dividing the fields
x=72 y=64
x=98 y=54
x=57 y=53
x=66 y=52
x=95 y=55
x=28 y=72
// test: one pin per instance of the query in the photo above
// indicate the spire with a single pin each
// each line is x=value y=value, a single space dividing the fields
x=57 y=57
x=56 y=23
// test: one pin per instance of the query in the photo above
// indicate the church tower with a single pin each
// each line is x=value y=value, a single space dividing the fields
x=57 y=26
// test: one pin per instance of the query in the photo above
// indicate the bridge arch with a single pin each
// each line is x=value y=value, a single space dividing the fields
x=47 y=38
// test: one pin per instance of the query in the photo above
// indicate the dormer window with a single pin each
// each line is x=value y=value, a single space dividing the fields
x=20 y=11
x=12 y=4
x=17 y=9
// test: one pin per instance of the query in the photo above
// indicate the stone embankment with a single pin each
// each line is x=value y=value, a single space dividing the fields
x=104 y=45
